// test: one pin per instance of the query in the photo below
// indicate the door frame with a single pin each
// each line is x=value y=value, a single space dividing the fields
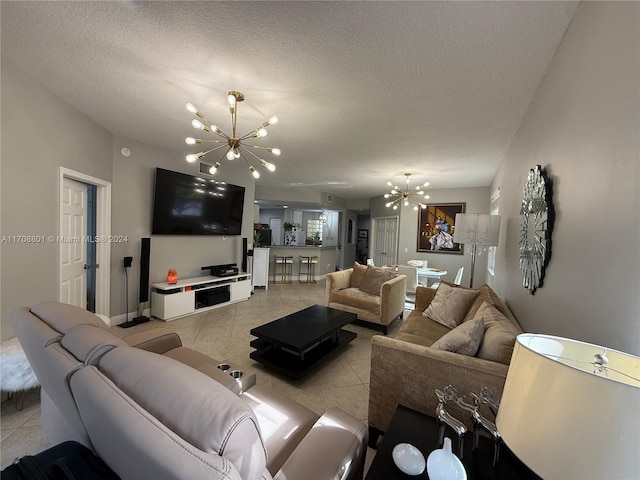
x=103 y=231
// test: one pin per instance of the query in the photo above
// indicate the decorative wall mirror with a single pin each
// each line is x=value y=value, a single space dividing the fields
x=536 y=223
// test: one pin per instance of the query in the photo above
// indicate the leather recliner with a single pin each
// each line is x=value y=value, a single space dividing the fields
x=150 y=407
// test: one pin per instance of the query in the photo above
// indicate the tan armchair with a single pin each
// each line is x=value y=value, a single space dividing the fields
x=379 y=309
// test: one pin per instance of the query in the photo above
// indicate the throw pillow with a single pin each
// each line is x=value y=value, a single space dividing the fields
x=499 y=335
x=450 y=305
x=464 y=339
x=488 y=295
x=373 y=279
x=357 y=275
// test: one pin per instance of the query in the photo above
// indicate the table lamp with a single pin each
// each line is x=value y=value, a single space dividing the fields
x=571 y=410
x=476 y=229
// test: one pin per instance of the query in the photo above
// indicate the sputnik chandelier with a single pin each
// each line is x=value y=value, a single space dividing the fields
x=407 y=196
x=235 y=145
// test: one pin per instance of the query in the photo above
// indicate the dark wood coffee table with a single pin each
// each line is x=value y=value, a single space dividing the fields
x=420 y=430
x=294 y=344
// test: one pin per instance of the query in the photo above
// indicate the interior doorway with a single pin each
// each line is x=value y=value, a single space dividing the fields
x=84 y=232
x=74 y=251
x=384 y=244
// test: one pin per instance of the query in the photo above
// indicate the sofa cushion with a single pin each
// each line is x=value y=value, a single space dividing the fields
x=88 y=343
x=486 y=294
x=373 y=279
x=464 y=339
x=218 y=421
x=450 y=305
x=421 y=328
x=357 y=275
x=356 y=298
x=499 y=335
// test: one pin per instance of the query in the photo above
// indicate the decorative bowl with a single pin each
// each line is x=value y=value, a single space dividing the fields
x=408 y=459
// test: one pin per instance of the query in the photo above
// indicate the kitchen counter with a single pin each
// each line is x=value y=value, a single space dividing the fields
x=322 y=247
x=327 y=257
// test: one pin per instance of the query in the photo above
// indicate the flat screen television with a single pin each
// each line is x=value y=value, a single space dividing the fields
x=188 y=205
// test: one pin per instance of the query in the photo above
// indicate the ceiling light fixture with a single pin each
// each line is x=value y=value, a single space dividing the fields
x=235 y=145
x=407 y=196
x=323 y=217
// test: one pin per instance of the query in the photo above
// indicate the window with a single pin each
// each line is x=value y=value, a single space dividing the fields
x=491 y=257
x=314 y=226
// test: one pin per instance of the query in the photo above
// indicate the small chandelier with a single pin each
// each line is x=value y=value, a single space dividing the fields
x=323 y=217
x=235 y=145
x=408 y=196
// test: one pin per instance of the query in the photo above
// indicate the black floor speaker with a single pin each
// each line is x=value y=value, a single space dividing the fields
x=244 y=254
x=143 y=291
x=145 y=253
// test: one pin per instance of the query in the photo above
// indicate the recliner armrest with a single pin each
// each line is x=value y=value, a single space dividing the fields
x=156 y=340
x=334 y=448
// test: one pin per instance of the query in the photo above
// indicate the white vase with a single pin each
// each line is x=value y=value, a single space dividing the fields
x=442 y=464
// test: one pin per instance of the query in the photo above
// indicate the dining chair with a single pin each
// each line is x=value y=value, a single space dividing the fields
x=412 y=281
x=457 y=280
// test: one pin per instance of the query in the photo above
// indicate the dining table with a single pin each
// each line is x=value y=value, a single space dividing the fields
x=430 y=274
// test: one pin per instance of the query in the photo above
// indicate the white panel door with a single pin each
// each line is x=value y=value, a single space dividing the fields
x=73 y=249
x=275 y=224
x=385 y=241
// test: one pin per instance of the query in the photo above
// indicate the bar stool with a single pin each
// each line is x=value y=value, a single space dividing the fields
x=310 y=263
x=286 y=267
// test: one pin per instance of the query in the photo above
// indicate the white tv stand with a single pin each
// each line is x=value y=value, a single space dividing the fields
x=174 y=300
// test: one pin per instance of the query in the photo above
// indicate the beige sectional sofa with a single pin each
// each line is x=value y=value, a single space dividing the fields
x=407 y=368
x=375 y=294
x=151 y=408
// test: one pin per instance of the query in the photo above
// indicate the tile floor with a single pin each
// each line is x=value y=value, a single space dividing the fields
x=223 y=333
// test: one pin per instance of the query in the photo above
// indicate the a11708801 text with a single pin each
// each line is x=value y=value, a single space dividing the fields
x=34 y=239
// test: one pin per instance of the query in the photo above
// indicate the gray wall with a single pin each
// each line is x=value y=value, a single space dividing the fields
x=132 y=200
x=349 y=249
x=477 y=201
x=40 y=133
x=582 y=126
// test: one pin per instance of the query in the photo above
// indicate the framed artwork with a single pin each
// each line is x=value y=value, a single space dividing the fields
x=363 y=233
x=436 y=225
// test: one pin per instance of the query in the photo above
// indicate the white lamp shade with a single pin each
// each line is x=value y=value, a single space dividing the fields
x=477 y=229
x=566 y=422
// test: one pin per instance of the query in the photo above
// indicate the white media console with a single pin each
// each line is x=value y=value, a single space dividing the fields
x=174 y=300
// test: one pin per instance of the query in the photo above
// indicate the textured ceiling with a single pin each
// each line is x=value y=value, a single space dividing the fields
x=365 y=91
